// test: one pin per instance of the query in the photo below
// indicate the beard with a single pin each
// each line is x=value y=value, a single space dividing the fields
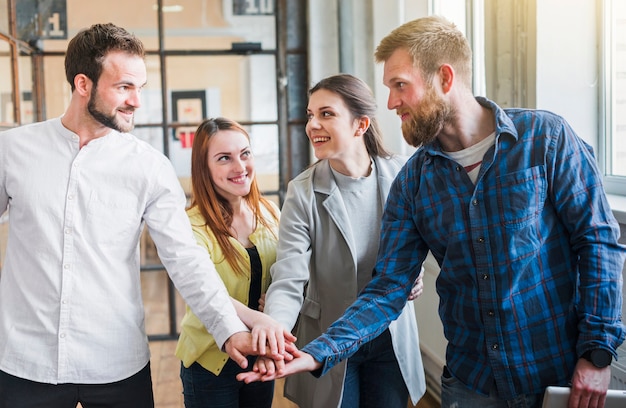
x=427 y=120
x=109 y=121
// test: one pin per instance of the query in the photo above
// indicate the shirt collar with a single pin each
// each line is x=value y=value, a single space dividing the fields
x=504 y=125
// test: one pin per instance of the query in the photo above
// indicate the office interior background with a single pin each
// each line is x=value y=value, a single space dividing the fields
x=253 y=61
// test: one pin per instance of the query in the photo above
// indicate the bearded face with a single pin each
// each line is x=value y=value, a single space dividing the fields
x=109 y=116
x=427 y=119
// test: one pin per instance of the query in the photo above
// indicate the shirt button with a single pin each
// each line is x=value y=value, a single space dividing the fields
x=70 y=197
x=494 y=346
x=474 y=202
x=485 y=276
x=62 y=335
x=68 y=231
x=491 y=313
x=458 y=168
x=66 y=266
x=481 y=240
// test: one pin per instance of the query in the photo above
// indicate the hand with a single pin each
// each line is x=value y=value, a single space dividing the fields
x=589 y=385
x=265 y=331
x=267 y=366
x=262 y=302
x=238 y=346
x=268 y=332
x=302 y=362
x=418 y=286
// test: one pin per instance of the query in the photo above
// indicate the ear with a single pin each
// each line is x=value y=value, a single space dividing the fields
x=446 y=77
x=83 y=84
x=364 y=124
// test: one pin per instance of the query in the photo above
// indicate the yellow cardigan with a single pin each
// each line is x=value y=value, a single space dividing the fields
x=195 y=343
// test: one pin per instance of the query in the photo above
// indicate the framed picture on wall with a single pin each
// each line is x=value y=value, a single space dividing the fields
x=187 y=107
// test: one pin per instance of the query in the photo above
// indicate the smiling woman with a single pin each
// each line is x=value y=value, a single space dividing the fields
x=238 y=227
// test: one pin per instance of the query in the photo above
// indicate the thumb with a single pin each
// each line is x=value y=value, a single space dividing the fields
x=238 y=358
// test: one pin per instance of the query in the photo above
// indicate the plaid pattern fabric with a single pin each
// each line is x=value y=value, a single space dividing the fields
x=530 y=265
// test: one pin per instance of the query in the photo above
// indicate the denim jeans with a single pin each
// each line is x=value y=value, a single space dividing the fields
x=373 y=377
x=454 y=394
x=202 y=388
x=133 y=392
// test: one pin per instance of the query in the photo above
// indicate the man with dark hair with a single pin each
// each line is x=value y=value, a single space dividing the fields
x=79 y=190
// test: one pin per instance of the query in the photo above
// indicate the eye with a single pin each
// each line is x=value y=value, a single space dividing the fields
x=327 y=114
x=309 y=116
x=223 y=158
x=246 y=153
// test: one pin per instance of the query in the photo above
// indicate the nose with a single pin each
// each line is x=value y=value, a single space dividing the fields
x=239 y=165
x=392 y=101
x=313 y=123
x=134 y=98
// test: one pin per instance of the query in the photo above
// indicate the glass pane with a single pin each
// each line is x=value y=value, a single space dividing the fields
x=138 y=17
x=208 y=25
x=241 y=88
x=454 y=10
x=57 y=90
x=151 y=110
x=4 y=17
x=618 y=88
x=25 y=86
x=264 y=143
x=151 y=135
x=6 y=88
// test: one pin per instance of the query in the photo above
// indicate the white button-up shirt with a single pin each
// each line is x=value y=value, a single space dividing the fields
x=70 y=295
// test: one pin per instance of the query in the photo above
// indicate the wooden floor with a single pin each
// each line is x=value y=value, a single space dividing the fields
x=165 y=366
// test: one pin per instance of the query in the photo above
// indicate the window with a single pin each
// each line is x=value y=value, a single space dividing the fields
x=614 y=28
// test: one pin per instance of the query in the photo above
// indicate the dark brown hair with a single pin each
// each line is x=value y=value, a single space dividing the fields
x=217 y=212
x=88 y=48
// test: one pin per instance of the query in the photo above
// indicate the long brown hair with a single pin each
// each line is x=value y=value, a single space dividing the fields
x=216 y=210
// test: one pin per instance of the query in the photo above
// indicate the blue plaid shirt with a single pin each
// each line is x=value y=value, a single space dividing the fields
x=531 y=271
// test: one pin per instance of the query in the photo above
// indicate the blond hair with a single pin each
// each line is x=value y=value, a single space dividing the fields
x=431 y=41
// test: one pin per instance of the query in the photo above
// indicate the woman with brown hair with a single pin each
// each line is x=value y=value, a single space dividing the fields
x=239 y=229
x=329 y=236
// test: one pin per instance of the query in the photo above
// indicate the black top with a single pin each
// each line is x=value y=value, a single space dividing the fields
x=255 y=278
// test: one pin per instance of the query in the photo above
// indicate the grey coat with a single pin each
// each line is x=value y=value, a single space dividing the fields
x=316 y=247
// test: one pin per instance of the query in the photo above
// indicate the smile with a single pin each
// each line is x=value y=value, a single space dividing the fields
x=239 y=179
x=321 y=139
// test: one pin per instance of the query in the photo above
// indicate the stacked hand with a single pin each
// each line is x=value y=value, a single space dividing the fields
x=267 y=369
x=267 y=337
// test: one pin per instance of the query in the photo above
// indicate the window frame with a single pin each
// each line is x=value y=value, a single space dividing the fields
x=613 y=184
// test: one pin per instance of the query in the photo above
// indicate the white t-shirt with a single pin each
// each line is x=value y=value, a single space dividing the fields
x=472 y=157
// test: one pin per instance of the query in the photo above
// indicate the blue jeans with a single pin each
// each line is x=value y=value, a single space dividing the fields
x=373 y=377
x=203 y=389
x=133 y=392
x=454 y=394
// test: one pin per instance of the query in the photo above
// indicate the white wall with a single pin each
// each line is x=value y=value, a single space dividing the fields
x=567 y=63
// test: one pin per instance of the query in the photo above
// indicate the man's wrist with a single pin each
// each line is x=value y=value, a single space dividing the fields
x=600 y=358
